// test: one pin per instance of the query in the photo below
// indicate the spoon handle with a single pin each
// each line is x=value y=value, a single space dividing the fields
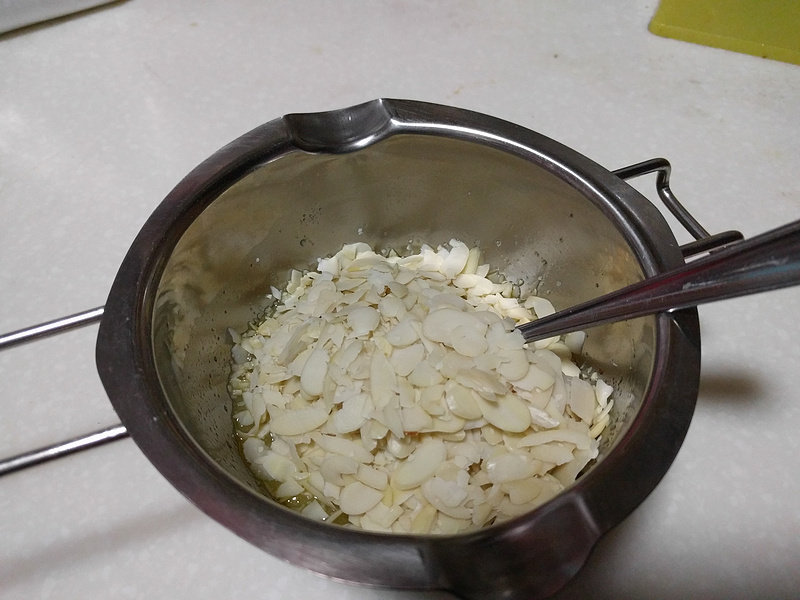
x=765 y=262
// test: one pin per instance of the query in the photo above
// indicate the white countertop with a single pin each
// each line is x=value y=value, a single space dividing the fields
x=101 y=114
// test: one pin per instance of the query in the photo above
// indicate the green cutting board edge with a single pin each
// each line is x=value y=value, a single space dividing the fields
x=766 y=28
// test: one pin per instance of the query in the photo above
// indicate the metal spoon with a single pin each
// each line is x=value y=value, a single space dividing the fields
x=766 y=262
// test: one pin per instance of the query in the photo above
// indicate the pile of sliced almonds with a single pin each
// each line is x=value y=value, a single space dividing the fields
x=393 y=393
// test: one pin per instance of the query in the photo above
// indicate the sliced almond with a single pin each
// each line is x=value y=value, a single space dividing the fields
x=312 y=377
x=461 y=401
x=508 y=413
x=295 y=422
x=404 y=359
x=420 y=465
x=357 y=498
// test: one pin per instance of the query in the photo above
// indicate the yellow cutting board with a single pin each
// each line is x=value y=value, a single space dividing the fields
x=766 y=28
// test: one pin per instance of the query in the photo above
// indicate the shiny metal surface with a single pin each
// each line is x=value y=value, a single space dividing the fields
x=390 y=173
x=54 y=327
x=41 y=455
x=766 y=262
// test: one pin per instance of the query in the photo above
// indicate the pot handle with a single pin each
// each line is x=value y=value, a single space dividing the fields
x=84 y=442
x=43 y=330
x=704 y=241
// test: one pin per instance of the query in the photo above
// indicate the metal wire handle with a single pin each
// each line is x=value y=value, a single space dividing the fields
x=43 y=330
x=47 y=453
x=703 y=242
x=71 y=446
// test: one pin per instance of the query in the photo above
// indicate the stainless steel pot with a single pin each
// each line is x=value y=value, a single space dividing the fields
x=388 y=172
